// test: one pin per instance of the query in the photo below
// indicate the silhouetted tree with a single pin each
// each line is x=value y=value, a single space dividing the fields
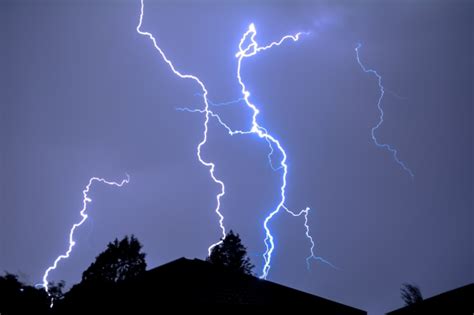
x=101 y=282
x=121 y=260
x=411 y=294
x=19 y=298
x=55 y=290
x=232 y=254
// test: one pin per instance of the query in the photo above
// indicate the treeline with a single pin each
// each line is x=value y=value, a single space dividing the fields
x=118 y=265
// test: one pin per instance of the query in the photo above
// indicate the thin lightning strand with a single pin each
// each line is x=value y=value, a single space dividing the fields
x=225 y=103
x=385 y=146
x=217 y=117
x=269 y=156
x=308 y=235
x=214 y=104
x=84 y=216
x=211 y=166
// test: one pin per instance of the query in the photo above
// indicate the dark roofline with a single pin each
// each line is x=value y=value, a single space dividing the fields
x=464 y=287
x=435 y=298
x=184 y=260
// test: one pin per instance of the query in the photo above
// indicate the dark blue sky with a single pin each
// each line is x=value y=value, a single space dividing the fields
x=83 y=94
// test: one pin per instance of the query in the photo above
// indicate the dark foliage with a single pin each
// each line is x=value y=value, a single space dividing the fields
x=19 y=298
x=55 y=290
x=121 y=260
x=120 y=263
x=232 y=254
x=411 y=294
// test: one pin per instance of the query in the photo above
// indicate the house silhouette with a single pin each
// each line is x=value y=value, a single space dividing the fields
x=459 y=301
x=186 y=282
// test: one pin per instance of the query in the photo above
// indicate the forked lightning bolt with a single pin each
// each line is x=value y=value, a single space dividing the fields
x=308 y=235
x=237 y=101
x=86 y=199
x=248 y=51
x=385 y=146
x=211 y=166
x=251 y=50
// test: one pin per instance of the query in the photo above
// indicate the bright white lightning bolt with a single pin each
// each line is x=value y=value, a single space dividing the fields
x=304 y=211
x=237 y=101
x=385 y=146
x=84 y=216
x=251 y=50
x=211 y=166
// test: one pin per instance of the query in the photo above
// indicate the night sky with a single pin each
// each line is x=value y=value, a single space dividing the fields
x=83 y=94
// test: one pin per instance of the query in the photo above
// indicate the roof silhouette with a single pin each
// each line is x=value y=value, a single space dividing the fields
x=457 y=301
x=184 y=282
x=200 y=282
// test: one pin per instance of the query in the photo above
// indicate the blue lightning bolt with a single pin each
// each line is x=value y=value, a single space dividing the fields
x=84 y=216
x=223 y=103
x=211 y=166
x=251 y=50
x=385 y=146
x=237 y=101
x=304 y=211
x=308 y=236
x=246 y=52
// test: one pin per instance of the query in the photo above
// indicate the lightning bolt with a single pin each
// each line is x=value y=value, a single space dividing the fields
x=385 y=146
x=211 y=166
x=245 y=52
x=237 y=101
x=223 y=103
x=310 y=238
x=251 y=50
x=84 y=216
x=304 y=212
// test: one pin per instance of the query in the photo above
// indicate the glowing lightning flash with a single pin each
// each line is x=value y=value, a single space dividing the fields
x=385 y=146
x=245 y=52
x=211 y=166
x=84 y=216
x=251 y=50
x=237 y=101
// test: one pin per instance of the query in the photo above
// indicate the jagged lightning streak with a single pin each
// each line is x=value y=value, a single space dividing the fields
x=211 y=166
x=308 y=236
x=84 y=215
x=304 y=211
x=388 y=147
x=251 y=50
x=237 y=101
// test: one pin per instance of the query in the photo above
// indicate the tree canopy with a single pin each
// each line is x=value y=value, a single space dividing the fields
x=232 y=254
x=19 y=298
x=121 y=260
x=411 y=294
